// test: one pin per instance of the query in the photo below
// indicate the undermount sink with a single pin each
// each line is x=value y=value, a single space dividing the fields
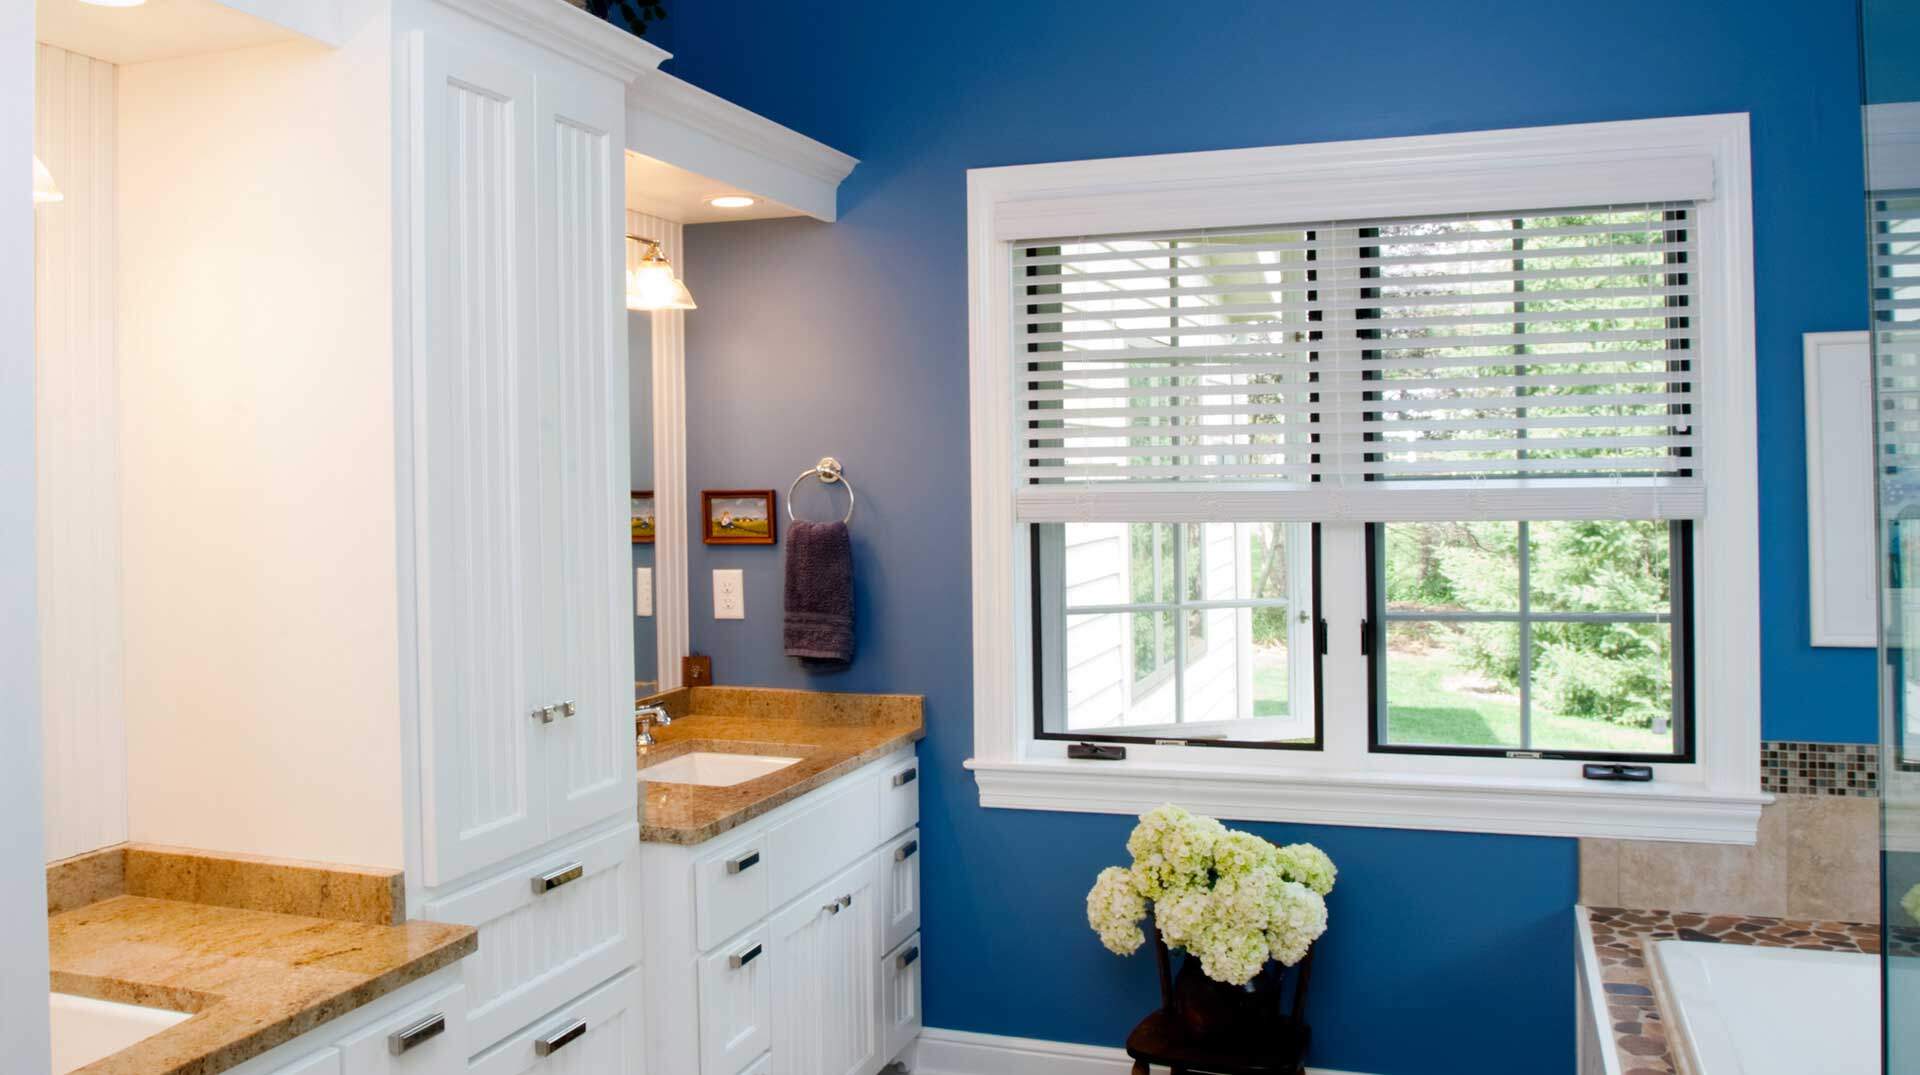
x=714 y=770
x=86 y=1030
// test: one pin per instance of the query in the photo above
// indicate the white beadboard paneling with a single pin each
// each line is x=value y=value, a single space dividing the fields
x=78 y=449
x=669 y=454
x=488 y=651
x=585 y=353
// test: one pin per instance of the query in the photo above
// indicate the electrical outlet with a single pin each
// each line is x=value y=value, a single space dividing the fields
x=643 y=591
x=729 y=594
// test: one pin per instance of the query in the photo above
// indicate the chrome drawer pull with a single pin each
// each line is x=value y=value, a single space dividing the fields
x=906 y=851
x=906 y=776
x=560 y=1039
x=744 y=863
x=907 y=957
x=409 y=1036
x=567 y=874
x=744 y=958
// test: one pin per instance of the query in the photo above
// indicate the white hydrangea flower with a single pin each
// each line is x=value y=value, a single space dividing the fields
x=1296 y=918
x=1241 y=852
x=1229 y=899
x=1172 y=850
x=1114 y=910
x=1308 y=865
x=1911 y=903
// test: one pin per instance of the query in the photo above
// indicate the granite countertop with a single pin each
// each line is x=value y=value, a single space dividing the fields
x=1620 y=944
x=832 y=735
x=252 y=978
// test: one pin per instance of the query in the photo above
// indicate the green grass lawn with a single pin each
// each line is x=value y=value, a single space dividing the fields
x=1425 y=711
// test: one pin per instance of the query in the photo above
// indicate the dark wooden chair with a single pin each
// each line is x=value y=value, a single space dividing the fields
x=1275 y=1045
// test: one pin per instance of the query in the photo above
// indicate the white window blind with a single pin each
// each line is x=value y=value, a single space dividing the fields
x=1494 y=365
x=1896 y=342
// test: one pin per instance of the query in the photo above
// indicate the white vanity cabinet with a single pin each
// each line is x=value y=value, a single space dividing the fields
x=419 y=1029
x=790 y=944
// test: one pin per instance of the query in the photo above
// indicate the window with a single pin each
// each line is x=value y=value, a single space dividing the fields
x=1530 y=639
x=1225 y=657
x=1388 y=488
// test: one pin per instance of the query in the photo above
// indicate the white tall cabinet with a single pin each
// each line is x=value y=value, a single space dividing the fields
x=376 y=469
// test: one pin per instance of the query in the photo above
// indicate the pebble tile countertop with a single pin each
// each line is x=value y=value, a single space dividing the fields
x=831 y=734
x=252 y=977
x=1620 y=942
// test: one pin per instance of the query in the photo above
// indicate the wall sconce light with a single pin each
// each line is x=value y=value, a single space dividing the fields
x=651 y=283
x=45 y=191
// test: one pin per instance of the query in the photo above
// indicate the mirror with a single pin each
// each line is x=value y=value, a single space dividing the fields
x=643 y=520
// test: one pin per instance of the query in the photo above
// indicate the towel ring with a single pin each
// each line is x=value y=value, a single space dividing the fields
x=828 y=471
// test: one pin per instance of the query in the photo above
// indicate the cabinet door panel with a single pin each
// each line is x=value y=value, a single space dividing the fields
x=735 y=994
x=826 y=1000
x=582 y=314
x=475 y=389
x=900 y=889
x=900 y=997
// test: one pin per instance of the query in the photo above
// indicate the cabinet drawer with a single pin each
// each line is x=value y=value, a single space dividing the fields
x=900 y=889
x=824 y=839
x=549 y=931
x=325 y=1062
x=428 y=1038
x=900 y=997
x=735 y=996
x=730 y=890
x=900 y=795
x=599 y=1032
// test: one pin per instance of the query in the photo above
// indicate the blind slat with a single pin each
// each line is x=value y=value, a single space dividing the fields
x=1548 y=351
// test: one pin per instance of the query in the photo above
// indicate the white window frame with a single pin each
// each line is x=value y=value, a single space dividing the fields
x=1716 y=798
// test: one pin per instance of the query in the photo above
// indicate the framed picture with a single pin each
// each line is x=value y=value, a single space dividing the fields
x=643 y=525
x=737 y=516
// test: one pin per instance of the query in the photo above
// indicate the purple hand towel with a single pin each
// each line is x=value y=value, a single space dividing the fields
x=819 y=592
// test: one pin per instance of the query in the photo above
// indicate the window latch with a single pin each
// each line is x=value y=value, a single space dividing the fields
x=1320 y=637
x=1615 y=771
x=1366 y=638
x=1097 y=752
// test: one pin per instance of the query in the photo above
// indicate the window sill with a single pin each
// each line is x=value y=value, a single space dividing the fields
x=1568 y=808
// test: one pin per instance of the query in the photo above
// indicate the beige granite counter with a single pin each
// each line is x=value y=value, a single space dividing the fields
x=252 y=977
x=832 y=735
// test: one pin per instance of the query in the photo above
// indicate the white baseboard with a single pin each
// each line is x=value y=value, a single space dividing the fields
x=961 y=1052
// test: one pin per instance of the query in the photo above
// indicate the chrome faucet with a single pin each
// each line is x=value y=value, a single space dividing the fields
x=648 y=716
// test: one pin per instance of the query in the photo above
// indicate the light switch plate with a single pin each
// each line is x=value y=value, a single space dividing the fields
x=643 y=591
x=729 y=594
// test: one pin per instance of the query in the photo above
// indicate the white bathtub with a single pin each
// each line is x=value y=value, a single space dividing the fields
x=1742 y=1010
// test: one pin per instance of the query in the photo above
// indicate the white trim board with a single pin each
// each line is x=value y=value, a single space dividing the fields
x=962 y=1052
x=1843 y=587
x=1714 y=798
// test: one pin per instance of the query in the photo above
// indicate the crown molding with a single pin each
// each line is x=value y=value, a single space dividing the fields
x=657 y=91
x=571 y=32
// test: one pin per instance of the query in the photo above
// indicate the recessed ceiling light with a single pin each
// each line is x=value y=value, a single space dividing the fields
x=730 y=201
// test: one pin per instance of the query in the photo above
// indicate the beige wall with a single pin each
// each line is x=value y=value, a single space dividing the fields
x=1816 y=857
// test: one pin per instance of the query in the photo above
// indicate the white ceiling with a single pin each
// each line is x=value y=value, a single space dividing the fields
x=156 y=30
x=663 y=190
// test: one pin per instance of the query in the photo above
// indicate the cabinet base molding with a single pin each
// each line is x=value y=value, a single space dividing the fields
x=963 y=1052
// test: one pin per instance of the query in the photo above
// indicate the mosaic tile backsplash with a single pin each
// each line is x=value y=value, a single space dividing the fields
x=1793 y=768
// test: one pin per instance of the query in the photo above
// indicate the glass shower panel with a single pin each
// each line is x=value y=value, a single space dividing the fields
x=1890 y=51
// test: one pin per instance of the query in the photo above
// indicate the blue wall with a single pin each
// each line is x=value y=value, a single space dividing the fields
x=1447 y=952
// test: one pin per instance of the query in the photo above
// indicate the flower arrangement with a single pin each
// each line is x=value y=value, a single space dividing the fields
x=1229 y=899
